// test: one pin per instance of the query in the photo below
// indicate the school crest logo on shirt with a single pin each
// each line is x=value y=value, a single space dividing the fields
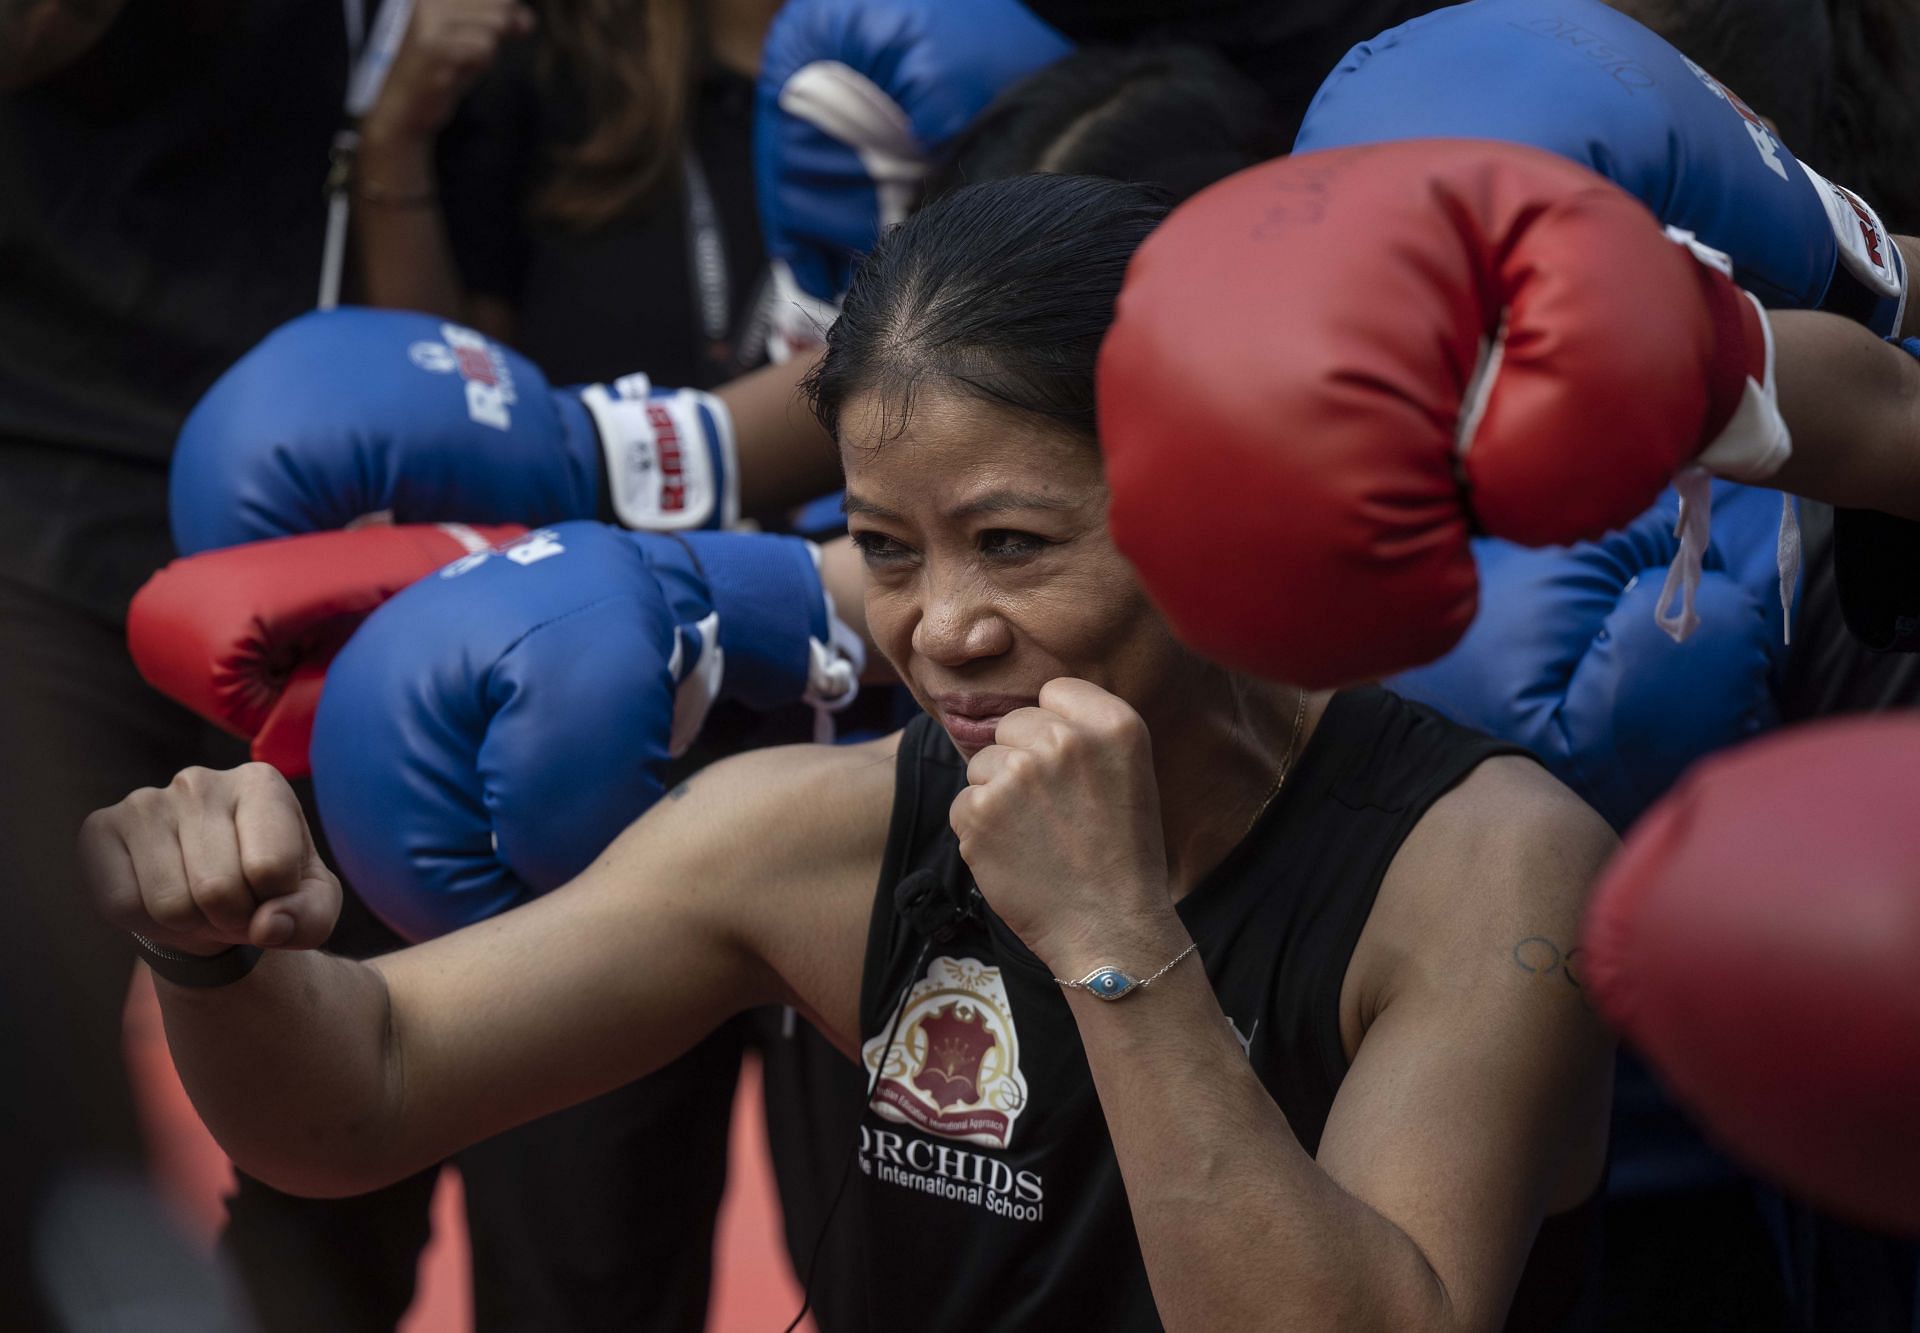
x=954 y=1066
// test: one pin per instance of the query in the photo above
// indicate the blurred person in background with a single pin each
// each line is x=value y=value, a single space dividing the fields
x=577 y=183
x=161 y=169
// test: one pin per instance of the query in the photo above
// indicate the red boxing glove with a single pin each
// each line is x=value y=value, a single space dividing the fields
x=1326 y=372
x=1755 y=940
x=243 y=636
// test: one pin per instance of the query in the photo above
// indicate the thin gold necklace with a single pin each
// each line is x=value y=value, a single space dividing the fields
x=1286 y=764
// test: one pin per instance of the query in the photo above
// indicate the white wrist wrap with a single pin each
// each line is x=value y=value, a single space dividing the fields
x=1755 y=442
x=1751 y=447
x=1866 y=248
x=670 y=455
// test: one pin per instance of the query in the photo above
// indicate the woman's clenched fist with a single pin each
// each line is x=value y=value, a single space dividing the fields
x=213 y=859
x=1060 y=825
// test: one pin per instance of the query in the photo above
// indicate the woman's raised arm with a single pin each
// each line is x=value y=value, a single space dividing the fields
x=324 y=1077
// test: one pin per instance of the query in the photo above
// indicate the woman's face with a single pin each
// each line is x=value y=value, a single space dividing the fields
x=989 y=568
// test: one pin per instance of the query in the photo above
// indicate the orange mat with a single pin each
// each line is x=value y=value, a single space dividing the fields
x=754 y=1287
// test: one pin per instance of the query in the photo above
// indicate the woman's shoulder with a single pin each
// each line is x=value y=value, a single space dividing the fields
x=1509 y=845
x=1518 y=785
x=1495 y=876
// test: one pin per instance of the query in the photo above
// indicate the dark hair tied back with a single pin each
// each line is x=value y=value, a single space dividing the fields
x=1002 y=291
x=1179 y=116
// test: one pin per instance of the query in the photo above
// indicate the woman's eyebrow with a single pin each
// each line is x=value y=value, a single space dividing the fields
x=993 y=502
x=851 y=504
x=999 y=502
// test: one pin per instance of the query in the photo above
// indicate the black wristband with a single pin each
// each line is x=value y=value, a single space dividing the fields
x=187 y=969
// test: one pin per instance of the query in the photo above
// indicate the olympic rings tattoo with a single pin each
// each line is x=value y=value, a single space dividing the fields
x=1542 y=957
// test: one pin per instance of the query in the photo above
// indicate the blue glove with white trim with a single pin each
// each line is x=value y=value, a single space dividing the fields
x=343 y=415
x=854 y=98
x=1578 y=78
x=490 y=730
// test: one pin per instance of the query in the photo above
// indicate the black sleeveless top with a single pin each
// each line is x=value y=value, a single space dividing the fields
x=989 y=1193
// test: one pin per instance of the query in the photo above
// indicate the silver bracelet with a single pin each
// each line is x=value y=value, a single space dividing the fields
x=1111 y=983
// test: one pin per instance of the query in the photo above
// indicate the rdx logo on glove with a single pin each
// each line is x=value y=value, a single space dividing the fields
x=671 y=458
x=488 y=379
x=669 y=454
x=1756 y=128
x=530 y=549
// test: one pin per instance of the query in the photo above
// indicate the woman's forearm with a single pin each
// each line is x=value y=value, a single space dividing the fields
x=1238 y=1226
x=1852 y=404
x=406 y=259
x=294 y=1071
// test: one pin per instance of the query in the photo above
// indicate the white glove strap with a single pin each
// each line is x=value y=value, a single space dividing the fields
x=665 y=471
x=698 y=681
x=1755 y=442
x=833 y=673
x=1866 y=248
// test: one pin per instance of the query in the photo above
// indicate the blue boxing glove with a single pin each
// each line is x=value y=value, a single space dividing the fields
x=490 y=730
x=342 y=414
x=1580 y=79
x=1566 y=657
x=854 y=97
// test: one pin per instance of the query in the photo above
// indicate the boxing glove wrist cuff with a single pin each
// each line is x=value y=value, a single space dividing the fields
x=668 y=457
x=1755 y=442
x=1869 y=282
x=777 y=626
x=201 y=972
x=833 y=678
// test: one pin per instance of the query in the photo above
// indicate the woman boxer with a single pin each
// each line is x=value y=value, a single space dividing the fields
x=1374 y=1100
